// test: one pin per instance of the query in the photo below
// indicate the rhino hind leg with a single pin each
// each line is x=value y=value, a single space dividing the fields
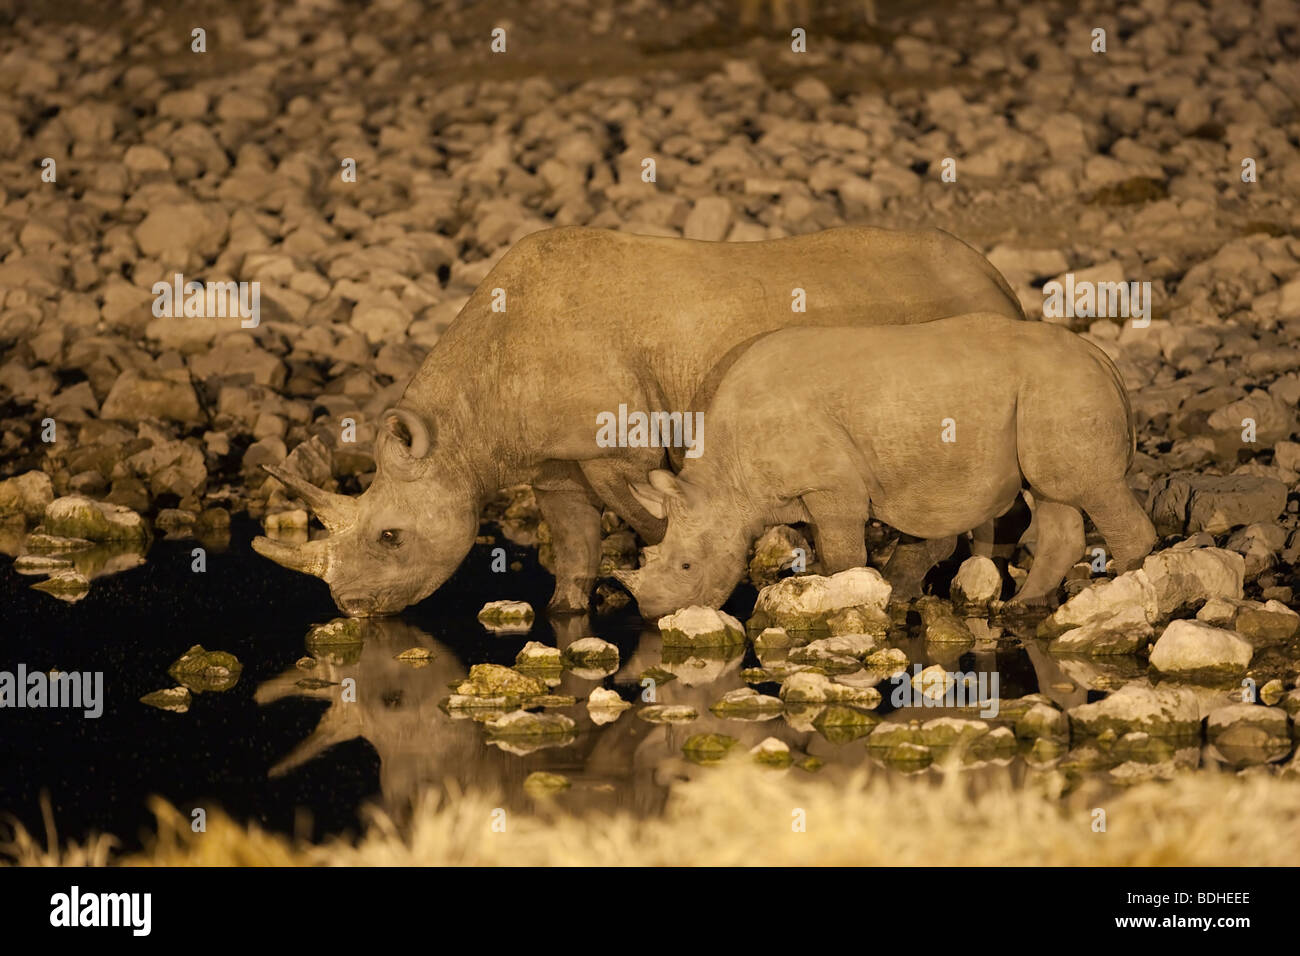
x=572 y=513
x=1060 y=545
x=1124 y=524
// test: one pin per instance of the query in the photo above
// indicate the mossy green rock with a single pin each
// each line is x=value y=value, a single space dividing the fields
x=701 y=627
x=706 y=749
x=842 y=725
x=591 y=653
x=772 y=753
x=668 y=714
x=494 y=680
x=540 y=784
x=523 y=723
x=813 y=688
x=745 y=703
x=73 y=516
x=201 y=670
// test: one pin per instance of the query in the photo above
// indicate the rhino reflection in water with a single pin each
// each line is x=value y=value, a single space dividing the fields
x=420 y=746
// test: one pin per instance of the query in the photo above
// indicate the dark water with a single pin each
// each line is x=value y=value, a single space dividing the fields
x=271 y=747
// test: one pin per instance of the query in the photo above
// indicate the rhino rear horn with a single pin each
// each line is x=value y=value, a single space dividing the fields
x=409 y=431
x=336 y=512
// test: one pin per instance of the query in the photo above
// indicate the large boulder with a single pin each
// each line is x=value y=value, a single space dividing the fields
x=1187 y=503
x=805 y=602
x=1195 y=651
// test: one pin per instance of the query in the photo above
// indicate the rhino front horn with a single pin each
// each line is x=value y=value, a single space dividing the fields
x=310 y=558
x=336 y=512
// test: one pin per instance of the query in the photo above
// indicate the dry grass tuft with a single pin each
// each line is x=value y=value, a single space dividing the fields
x=744 y=816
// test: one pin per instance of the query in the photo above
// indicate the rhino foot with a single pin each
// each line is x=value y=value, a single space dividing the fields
x=570 y=599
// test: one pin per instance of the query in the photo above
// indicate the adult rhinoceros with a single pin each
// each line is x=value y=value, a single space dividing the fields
x=593 y=320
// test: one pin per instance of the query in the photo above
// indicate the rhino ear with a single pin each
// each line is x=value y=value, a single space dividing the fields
x=408 y=431
x=650 y=498
x=664 y=487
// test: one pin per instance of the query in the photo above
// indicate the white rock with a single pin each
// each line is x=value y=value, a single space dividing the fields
x=977 y=581
x=1193 y=576
x=1190 y=647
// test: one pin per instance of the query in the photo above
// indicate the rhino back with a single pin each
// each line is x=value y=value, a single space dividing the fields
x=594 y=318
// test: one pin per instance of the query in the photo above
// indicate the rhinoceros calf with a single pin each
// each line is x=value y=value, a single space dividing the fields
x=932 y=428
x=593 y=320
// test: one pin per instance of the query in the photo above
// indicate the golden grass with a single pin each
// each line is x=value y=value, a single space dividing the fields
x=743 y=816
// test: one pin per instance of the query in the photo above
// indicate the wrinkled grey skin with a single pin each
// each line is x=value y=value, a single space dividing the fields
x=595 y=319
x=863 y=437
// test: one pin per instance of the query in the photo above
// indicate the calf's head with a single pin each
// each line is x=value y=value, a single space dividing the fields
x=400 y=540
x=702 y=556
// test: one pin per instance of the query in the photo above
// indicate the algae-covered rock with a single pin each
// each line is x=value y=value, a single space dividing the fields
x=861 y=620
x=887 y=661
x=605 y=706
x=1159 y=711
x=668 y=714
x=998 y=744
x=66 y=584
x=946 y=732
x=337 y=642
x=707 y=749
x=772 y=639
x=851 y=646
x=173 y=699
x=38 y=542
x=842 y=725
x=701 y=627
x=1198 y=652
x=803 y=603
x=1272 y=692
x=74 y=516
x=773 y=753
x=1247 y=734
x=506 y=617
x=808 y=687
x=942 y=626
x=591 y=652
x=340 y=631
x=591 y=658
x=539 y=657
x=540 y=784
x=496 y=681
x=29 y=564
x=1126 y=631
x=778 y=549
x=745 y=703
x=524 y=723
x=1043 y=721
x=416 y=655
x=202 y=670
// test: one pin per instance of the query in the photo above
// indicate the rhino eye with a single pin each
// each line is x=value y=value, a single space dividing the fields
x=390 y=537
x=686 y=566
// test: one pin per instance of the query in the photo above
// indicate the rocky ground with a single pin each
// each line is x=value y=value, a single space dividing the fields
x=125 y=157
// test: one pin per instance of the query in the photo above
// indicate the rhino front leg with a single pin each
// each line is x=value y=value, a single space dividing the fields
x=572 y=513
x=838 y=532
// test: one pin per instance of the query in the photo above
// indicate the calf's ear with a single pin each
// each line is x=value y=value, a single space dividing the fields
x=408 y=432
